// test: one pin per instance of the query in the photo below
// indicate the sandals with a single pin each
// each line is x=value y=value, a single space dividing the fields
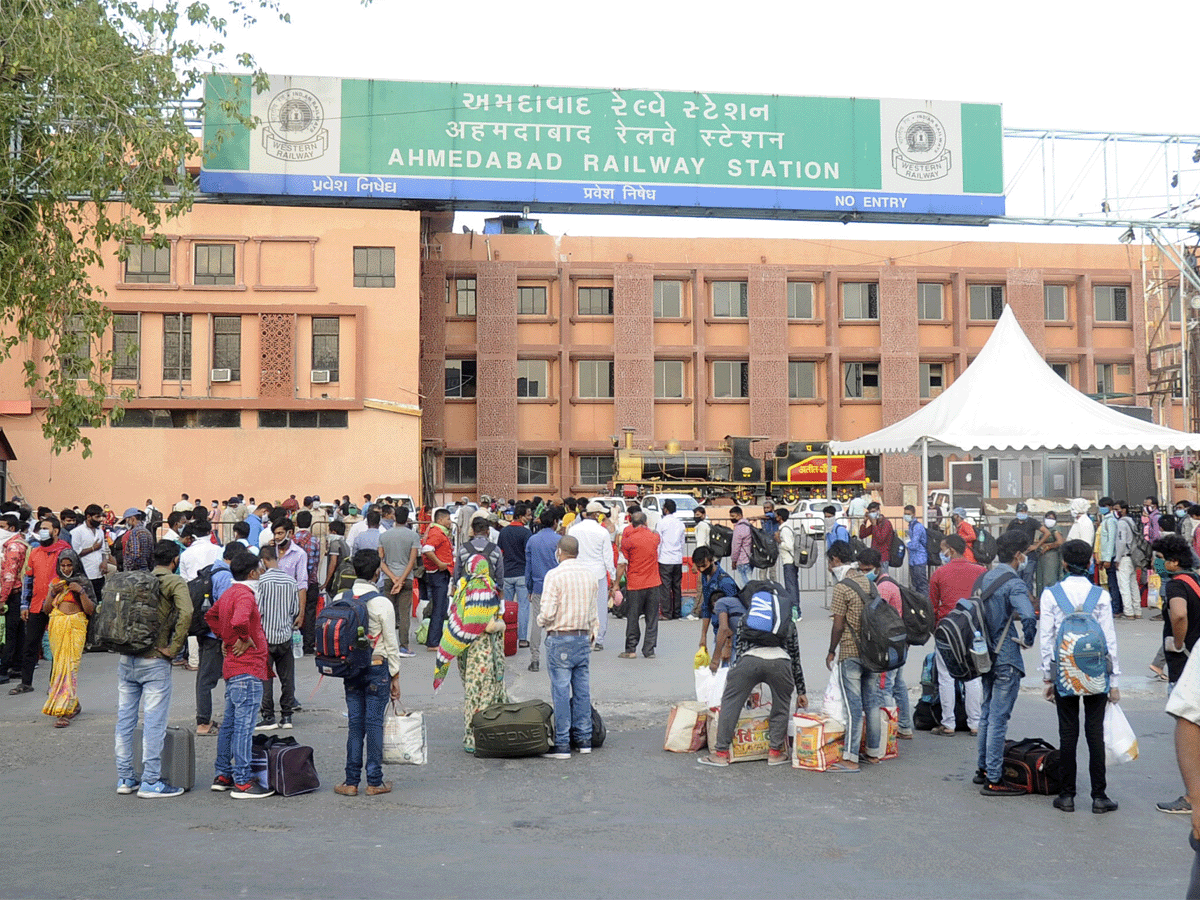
x=63 y=722
x=21 y=689
x=941 y=731
x=841 y=766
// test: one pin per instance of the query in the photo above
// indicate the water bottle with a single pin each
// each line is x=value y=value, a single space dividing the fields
x=979 y=646
x=297 y=643
x=362 y=637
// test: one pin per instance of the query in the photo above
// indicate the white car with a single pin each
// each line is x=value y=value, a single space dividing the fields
x=685 y=508
x=811 y=516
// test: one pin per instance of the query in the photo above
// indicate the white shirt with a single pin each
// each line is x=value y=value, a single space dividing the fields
x=703 y=527
x=83 y=538
x=184 y=506
x=1083 y=530
x=857 y=508
x=355 y=530
x=595 y=547
x=1076 y=588
x=673 y=533
x=203 y=552
x=787 y=543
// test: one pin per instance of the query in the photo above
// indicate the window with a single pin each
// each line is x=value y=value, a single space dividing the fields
x=177 y=347
x=668 y=300
x=303 y=418
x=533 y=470
x=731 y=379
x=460 y=469
x=179 y=418
x=460 y=378
x=860 y=301
x=1175 y=310
x=731 y=299
x=214 y=264
x=597 y=470
x=462 y=292
x=668 y=379
x=986 y=302
x=929 y=301
x=1105 y=379
x=937 y=468
x=595 y=301
x=533 y=378
x=531 y=300
x=125 y=346
x=1112 y=303
x=148 y=264
x=802 y=380
x=325 y=342
x=1062 y=370
x=933 y=379
x=800 y=300
x=862 y=381
x=75 y=349
x=595 y=379
x=375 y=267
x=227 y=345
x=1056 y=302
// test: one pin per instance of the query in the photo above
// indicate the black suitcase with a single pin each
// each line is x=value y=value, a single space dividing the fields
x=1032 y=764
x=178 y=756
x=514 y=729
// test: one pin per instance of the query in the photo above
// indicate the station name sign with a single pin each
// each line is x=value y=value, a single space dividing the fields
x=591 y=149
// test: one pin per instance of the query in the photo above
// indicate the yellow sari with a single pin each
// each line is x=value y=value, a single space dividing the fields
x=67 y=636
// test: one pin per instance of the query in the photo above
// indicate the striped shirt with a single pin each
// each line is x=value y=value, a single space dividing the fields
x=569 y=598
x=278 y=604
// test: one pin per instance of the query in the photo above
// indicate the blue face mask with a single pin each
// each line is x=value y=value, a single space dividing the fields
x=870 y=576
x=1021 y=517
x=1160 y=567
x=945 y=557
x=1103 y=510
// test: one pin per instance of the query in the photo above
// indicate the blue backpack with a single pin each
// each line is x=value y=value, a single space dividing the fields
x=342 y=647
x=1080 y=648
x=766 y=610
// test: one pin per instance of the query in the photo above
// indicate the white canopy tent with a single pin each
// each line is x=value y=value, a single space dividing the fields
x=1009 y=399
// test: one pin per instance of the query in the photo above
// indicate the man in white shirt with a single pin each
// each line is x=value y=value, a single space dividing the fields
x=702 y=527
x=596 y=553
x=858 y=507
x=184 y=504
x=203 y=552
x=87 y=540
x=786 y=536
x=672 y=534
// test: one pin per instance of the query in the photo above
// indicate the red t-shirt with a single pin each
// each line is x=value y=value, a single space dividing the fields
x=235 y=617
x=640 y=546
x=436 y=538
x=952 y=582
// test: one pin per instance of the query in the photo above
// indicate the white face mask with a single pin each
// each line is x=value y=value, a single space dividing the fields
x=1051 y=523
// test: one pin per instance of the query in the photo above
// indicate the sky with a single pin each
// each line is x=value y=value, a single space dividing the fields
x=1056 y=64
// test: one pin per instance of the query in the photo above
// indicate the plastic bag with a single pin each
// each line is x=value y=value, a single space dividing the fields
x=1120 y=743
x=404 y=738
x=710 y=686
x=702 y=659
x=833 y=704
x=423 y=631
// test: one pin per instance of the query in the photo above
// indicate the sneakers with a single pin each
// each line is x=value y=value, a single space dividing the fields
x=1180 y=807
x=534 y=667
x=522 y=644
x=557 y=753
x=585 y=750
x=223 y=783
x=127 y=785
x=250 y=791
x=649 y=655
x=285 y=722
x=992 y=789
x=718 y=758
x=405 y=653
x=596 y=648
x=777 y=758
x=158 y=789
x=266 y=725
x=980 y=777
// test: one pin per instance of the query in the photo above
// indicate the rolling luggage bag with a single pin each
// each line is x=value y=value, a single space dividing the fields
x=178 y=756
x=514 y=729
x=510 y=628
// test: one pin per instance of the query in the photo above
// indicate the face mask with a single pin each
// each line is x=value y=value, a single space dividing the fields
x=1050 y=523
x=945 y=557
x=874 y=515
x=1160 y=567
x=44 y=536
x=907 y=518
x=1103 y=510
x=871 y=576
x=1021 y=517
x=839 y=572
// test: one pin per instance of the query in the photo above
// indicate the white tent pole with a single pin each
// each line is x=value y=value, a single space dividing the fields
x=924 y=500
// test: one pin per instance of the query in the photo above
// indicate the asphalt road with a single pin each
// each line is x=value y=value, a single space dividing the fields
x=629 y=820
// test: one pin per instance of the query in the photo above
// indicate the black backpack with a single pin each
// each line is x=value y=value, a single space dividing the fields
x=720 y=541
x=201 y=589
x=984 y=547
x=343 y=649
x=919 y=617
x=933 y=544
x=882 y=638
x=763 y=549
x=896 y=551
x=767 y=612
x=857 y=544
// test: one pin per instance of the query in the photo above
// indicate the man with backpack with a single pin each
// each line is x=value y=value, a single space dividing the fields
x=894 y=686
x=787 y=560
x=739 y=553
x=1007 y=600
x=877 y=527
x=1181 y=622
x=1131 y=593
x=1107 y=558
x=768 y=651
x=1078 y=653
x=715 y=583
x=209 y=671
x=918 y=551
x=146 y=674
x=834 y=530
x=954 y=579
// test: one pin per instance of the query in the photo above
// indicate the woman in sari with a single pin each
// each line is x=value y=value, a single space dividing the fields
x=474 y=633
x=71 y=602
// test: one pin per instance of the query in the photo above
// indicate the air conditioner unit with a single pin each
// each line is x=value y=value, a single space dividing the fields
x=319 y=376
x=221 y=375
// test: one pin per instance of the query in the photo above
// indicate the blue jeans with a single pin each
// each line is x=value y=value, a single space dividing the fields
x=435 y=587
x=243 y=697
x=137 y=679
x=791 y=583
x=897 y=690
x=567 y=658
x=918 y=578
x=515 y=589
x=860 y=690
x=742 y=574
x=367 y=696
x=1000 y=689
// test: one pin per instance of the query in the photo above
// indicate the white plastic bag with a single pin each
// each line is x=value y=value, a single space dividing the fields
x=1120 y=743
x=404 y=738
x=833 y=704
x=710 y=686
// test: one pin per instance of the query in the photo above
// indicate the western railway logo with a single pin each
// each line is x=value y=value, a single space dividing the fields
x=294 y=127
x=921 y=153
